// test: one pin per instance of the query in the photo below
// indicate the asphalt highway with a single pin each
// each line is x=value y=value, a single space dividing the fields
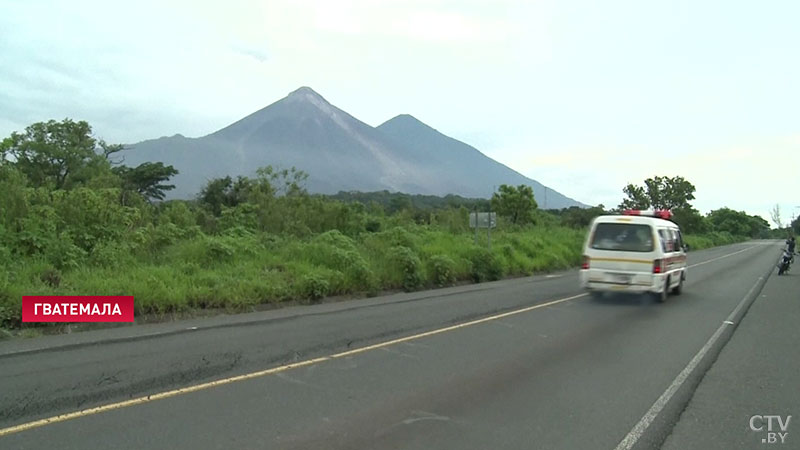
x=526 y=363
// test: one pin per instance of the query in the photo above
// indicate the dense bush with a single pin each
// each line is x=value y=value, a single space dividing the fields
x=441 y=270
x=406 y=265
x=485 y=266
x=314 y=287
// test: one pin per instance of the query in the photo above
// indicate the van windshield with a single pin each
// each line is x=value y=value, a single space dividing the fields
x=624 y=237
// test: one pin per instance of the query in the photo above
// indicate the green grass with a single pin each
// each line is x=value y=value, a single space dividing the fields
x=714 y=239
x=241 y=270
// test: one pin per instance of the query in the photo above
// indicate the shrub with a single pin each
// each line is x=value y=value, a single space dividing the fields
x=407 y=265
x=51 y=277
x=485 y=266
x=217 y=250
x=314 y=287
x=373 y=226
x=111 y=254
x=441 y=270
x=398 y=237
x=178 y=213
x=63 y=253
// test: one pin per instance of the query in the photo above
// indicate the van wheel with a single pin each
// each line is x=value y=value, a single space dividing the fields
x=679 y=288
x=661 y=297
x=595 y=295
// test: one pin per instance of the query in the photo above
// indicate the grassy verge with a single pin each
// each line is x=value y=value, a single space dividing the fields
x=239 y=270
x=708 y=240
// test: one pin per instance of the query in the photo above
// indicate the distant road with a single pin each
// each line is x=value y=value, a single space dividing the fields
x=523 y=364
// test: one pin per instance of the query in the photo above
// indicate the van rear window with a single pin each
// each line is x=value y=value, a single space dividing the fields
x=623 y=237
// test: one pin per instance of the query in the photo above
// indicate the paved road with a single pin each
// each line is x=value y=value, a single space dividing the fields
x=573 y=373
x=756 y=374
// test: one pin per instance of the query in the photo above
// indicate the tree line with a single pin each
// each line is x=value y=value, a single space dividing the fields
x=64 y=193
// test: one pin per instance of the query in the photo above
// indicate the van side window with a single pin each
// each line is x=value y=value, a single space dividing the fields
x=669 y=241
x=665 y=239
x=678 y=241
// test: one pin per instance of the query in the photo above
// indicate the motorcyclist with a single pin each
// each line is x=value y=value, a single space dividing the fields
x=788 y=256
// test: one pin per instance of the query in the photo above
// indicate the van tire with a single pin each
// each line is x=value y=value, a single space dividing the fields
x=679 y=288
x=661 y=297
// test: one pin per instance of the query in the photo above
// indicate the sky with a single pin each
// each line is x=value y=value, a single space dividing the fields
x=581 y=95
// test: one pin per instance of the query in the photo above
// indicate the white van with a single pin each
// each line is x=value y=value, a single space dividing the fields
x=638 y=251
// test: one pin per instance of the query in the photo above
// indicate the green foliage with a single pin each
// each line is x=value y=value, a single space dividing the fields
x=63 y=253
x=407 y=266
x=58 y=155
x=373 y=226
x=659 y=193
x=315 y=287
x=575 y=217
x=441 y=270
x=737 y=223
x=146 y=179
x=335 y=251
x=391 y=202
x=112 y=254
x=178 y=213
x=485 y=265
x=516 y=203
x=691 y=221
x=219 y=193
x=397 y=236
x=711 y=239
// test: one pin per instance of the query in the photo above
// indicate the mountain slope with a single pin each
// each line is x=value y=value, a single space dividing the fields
x=468 y=171
x=339 y=152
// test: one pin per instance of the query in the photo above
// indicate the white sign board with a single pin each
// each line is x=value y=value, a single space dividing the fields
x=482 y=220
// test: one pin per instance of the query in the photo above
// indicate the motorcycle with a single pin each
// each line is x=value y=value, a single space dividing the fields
x=785 y=262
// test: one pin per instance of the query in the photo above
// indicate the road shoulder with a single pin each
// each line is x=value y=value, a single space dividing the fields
x=756 y=374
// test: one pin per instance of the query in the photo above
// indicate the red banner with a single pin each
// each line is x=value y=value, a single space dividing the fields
x=77 y=308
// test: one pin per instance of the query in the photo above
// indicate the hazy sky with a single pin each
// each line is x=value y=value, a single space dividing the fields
x=583 y=96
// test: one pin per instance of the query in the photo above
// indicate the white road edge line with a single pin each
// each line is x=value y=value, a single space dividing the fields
x=636 y=433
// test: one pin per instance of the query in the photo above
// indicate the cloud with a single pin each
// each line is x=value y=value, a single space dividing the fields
x=435 y=22
x=256 y=52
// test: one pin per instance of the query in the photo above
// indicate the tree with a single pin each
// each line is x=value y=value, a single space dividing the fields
x=577 y=217
x=60 y=155
x=218 y=193
x=260 y=191
x=288 y=182
x=775 y=215
x=759 y=228
x=637 y=198
x=516 y=203
x=690 y=220
x=659 y=193
x=738 y=223
x=398 y=203
x=147 y=179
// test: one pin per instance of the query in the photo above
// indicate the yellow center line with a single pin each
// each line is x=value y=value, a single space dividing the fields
x=262 y=373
